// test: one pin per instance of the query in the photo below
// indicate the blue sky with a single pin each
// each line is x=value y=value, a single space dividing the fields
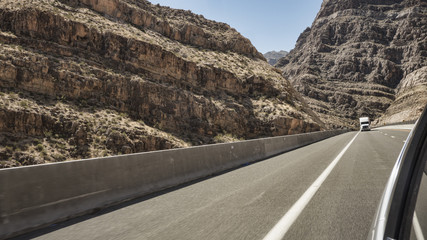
x=269 y=24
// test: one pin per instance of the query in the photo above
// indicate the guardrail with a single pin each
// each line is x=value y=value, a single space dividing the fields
x=35 y=196
x=397 y=123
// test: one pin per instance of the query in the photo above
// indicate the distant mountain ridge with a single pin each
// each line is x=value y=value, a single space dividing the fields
x=273 y=56
x=363 y=58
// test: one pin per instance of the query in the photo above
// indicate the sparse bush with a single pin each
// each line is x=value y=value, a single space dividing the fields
x=83 y=103
x=58 y=157
x=44 y=154
x=226 y=137
x=13 y=95
x=105 y=153
x=9 y=149
x=60 y=98
x=40 y=147
x=47 y=134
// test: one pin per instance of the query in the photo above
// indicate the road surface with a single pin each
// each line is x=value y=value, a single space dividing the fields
x=248 y=203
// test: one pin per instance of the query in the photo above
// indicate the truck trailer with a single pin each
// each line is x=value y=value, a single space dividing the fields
x=364 y=124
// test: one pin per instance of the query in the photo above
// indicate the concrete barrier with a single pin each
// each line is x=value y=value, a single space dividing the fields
x=35 y=196
x=396 y=123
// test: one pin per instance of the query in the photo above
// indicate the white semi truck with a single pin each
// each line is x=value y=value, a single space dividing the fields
x=364 y=124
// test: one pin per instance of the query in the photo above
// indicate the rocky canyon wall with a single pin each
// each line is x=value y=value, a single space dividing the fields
x=363 y=58
x=87 y=78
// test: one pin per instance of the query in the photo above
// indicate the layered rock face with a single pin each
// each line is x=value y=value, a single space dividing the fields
x=273 y=56
x=88 y=78
x=363 y=58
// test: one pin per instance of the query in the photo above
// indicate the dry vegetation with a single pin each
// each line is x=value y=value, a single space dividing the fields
x=109 y=132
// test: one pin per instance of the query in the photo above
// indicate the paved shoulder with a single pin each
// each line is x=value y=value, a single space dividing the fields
x=345 y=205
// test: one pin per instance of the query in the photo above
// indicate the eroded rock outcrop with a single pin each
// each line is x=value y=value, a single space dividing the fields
x=357 y=58
x=172 y=78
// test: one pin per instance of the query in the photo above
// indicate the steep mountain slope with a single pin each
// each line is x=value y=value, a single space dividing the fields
x=273 y=56
x=362 y=58
x=89 y=78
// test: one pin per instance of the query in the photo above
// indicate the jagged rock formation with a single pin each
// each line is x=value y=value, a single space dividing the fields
x=410 y=100
x=273 y=56
x=88 y=78
x=363 y=58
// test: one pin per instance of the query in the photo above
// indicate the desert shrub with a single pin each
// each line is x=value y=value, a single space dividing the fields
x=40 y=147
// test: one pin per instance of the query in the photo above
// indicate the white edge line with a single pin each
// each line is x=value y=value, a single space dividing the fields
x=280 y=229
x=417 y=227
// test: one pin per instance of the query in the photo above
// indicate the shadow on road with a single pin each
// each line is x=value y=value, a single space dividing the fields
x=101 y=211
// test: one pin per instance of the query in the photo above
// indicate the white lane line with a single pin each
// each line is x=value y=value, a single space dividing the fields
x=417 y=228
x=385 y=134
x=393 y=137
x=280 y=229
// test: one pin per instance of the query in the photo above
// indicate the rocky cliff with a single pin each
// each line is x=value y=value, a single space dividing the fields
x=363 y=58
x=88 y=78
x=274 y=56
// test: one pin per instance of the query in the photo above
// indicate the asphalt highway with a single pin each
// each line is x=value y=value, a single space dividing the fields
x=247 y=203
